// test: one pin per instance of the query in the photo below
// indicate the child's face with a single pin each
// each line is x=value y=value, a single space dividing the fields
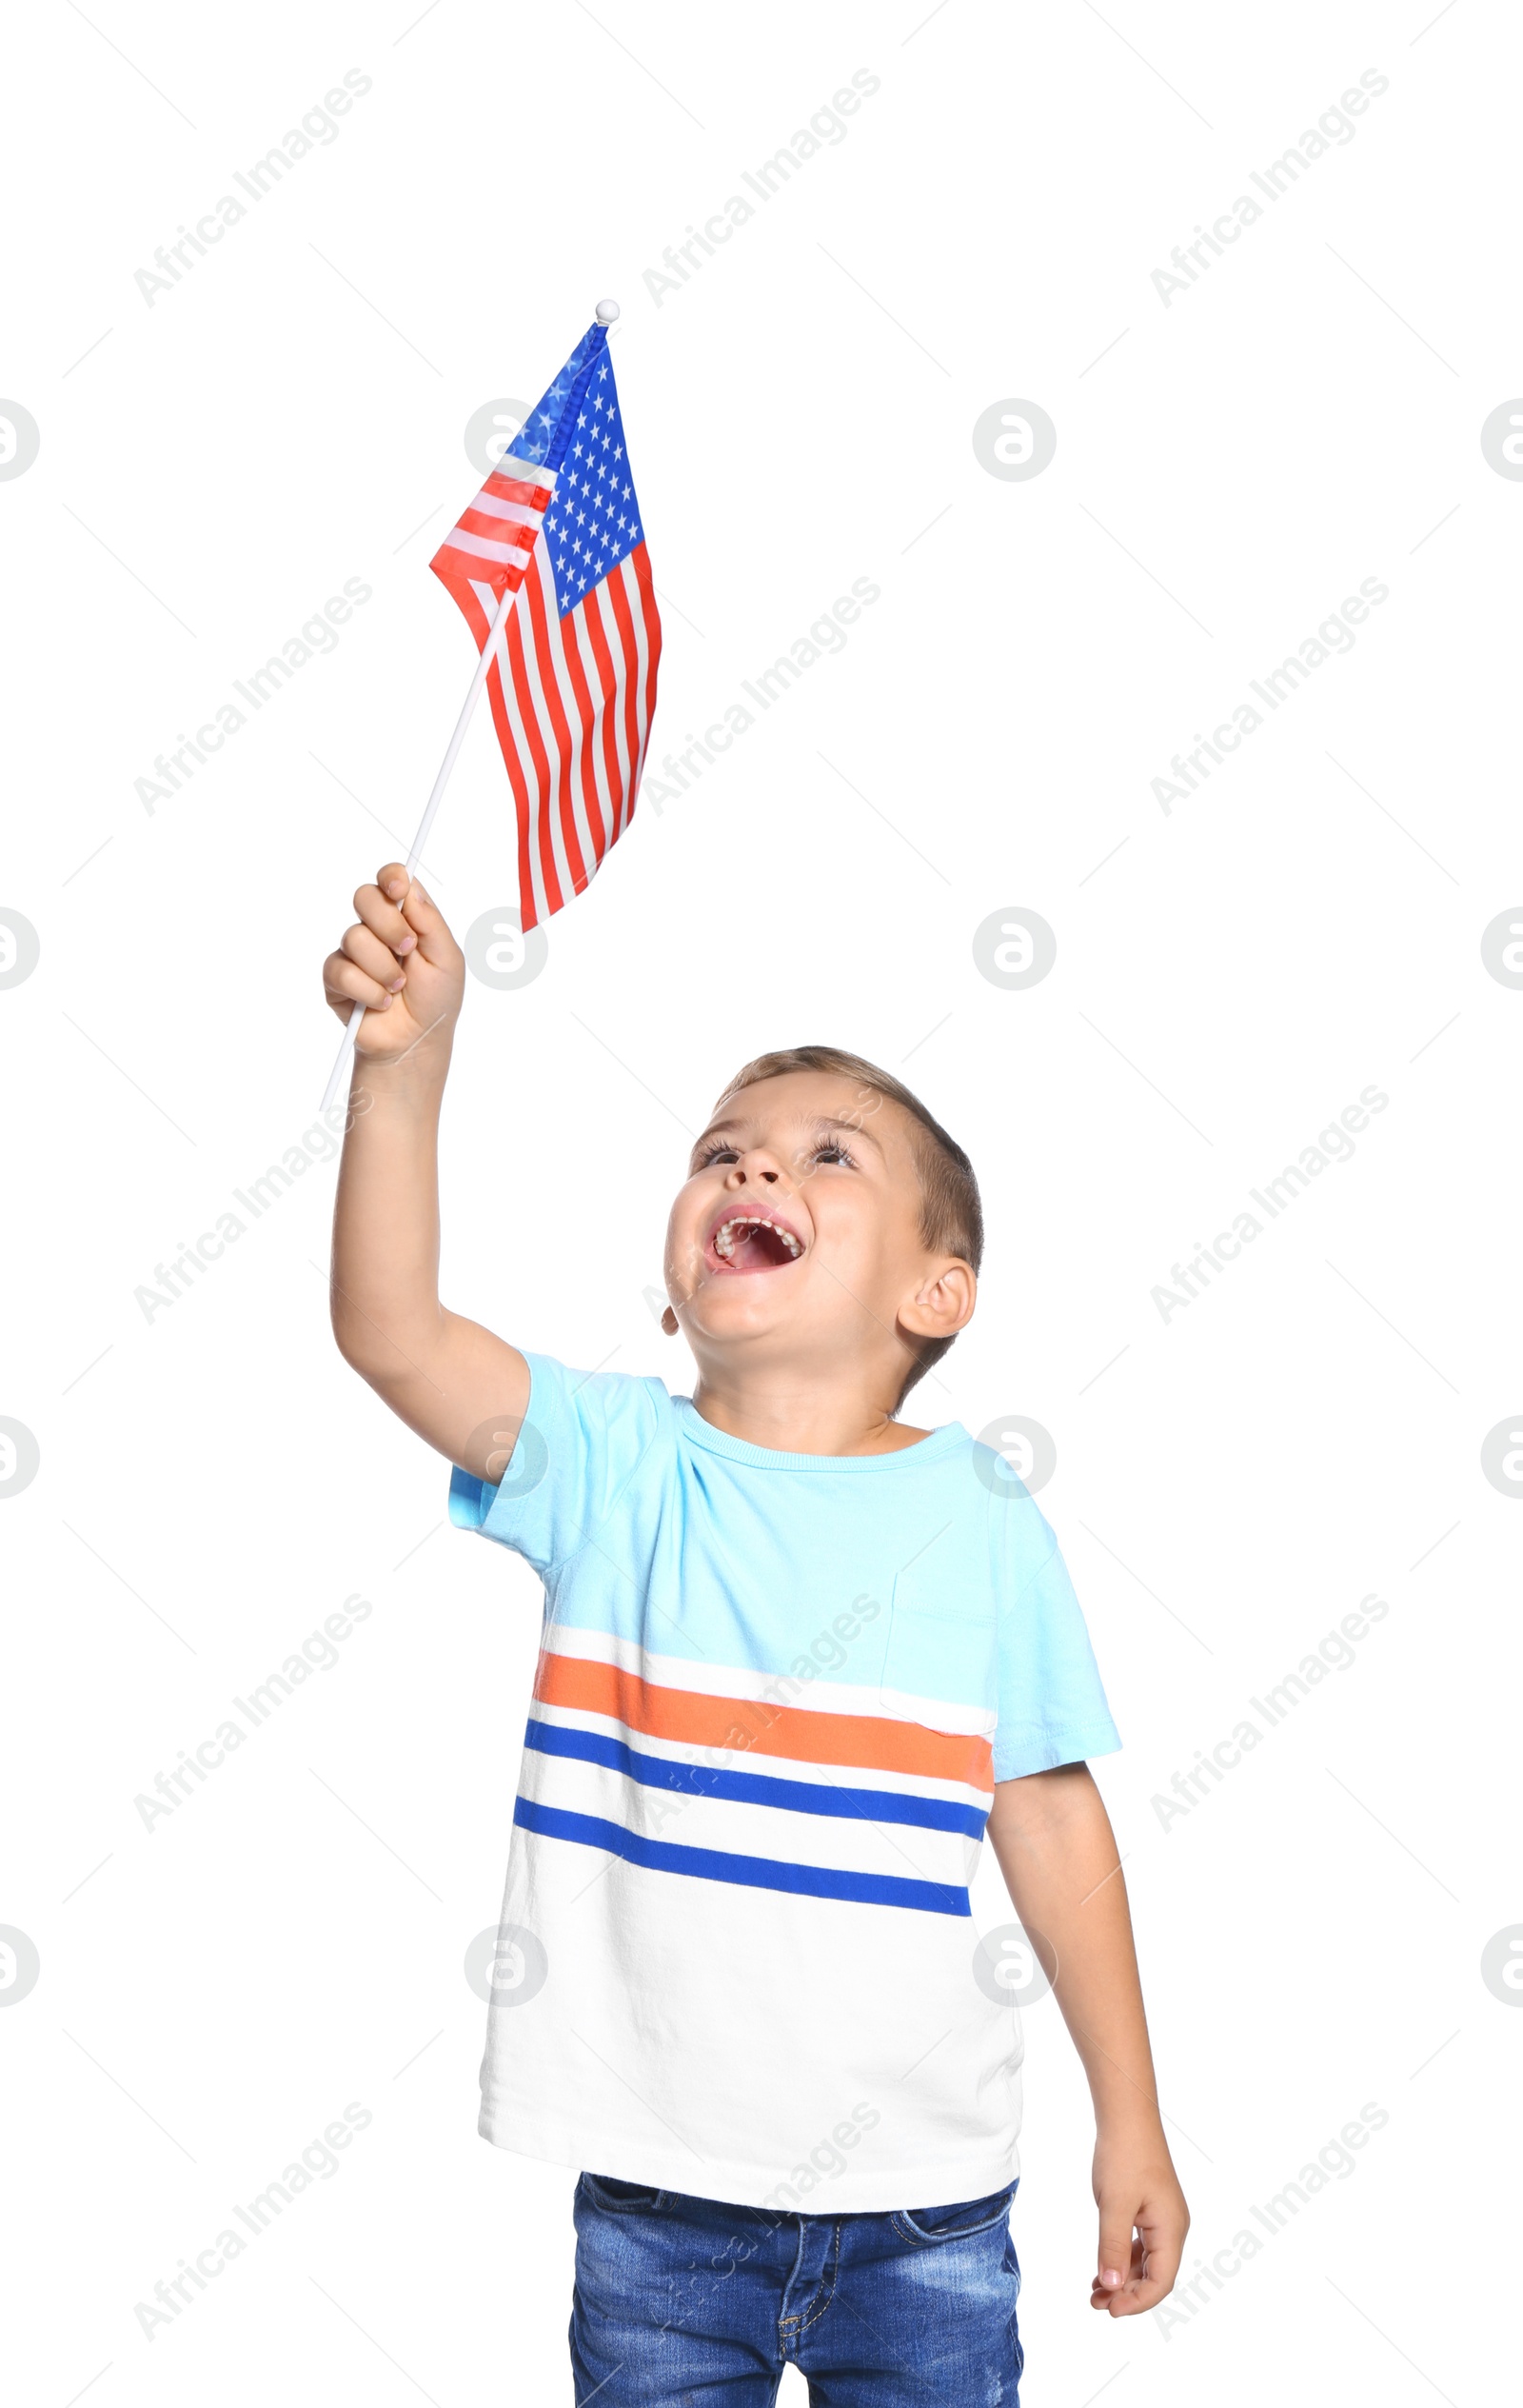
x=831 y=1164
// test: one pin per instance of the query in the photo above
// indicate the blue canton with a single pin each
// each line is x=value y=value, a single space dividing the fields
x=594 y=519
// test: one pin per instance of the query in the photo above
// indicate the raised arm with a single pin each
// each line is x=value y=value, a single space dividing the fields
x=1057 y=1850
x=451 y=1381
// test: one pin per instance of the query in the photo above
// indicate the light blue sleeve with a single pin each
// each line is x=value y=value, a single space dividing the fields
x=583 y=1437
x=1052 y=1705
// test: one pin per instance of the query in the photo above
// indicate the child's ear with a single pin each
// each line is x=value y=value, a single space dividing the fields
x=669 y=1322
x=943 y=1303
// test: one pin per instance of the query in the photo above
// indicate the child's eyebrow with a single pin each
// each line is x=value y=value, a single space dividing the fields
x=853 y=1128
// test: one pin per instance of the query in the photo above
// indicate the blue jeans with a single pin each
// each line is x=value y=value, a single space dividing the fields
x=690 y=2304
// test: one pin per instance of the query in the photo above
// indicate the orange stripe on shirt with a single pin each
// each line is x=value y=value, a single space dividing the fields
x=753 y=1725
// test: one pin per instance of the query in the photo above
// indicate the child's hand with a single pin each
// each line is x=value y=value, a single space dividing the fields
x=402 y=963
x=1143 y=2222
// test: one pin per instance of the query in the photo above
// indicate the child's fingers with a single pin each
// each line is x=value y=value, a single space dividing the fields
x=1116 y=2248
x=381 y=914
x=1144 y=2293
x=430 y=925
x=366 y=949
x=417 y=913
x=1163 y=2226
x=1106 y=2295
x=344 y=983
x=1153 y=2268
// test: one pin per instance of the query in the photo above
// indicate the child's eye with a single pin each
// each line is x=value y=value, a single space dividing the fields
x=831 y=1149
x=716 y=1153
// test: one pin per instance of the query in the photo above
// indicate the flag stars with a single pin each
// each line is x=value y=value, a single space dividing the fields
x=592 y=526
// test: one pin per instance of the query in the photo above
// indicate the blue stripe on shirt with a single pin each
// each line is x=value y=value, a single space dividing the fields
x=750 y=1872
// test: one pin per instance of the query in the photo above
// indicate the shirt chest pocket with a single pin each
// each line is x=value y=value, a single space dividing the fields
x=940 y=1639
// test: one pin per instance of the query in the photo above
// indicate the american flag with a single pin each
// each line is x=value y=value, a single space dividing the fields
x=573 y=686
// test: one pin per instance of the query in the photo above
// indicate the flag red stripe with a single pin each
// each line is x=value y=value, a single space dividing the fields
x=601 y=799
x=609 y=782
x=632 y=660
x=534 y=902
x=652 y=621
x=620 y=599
x=507 y=742
x=496 y=531
x=565 y=812
x=508 y=488
x=468 y=601
x=549 y=881
x=458 y=571
x=652 y=618
x=597 y=637
x=508 y=746
x=555 y=796
x=582 y=769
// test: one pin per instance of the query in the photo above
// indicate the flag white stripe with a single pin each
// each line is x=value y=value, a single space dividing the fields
x=484 y=547
x=497 y=506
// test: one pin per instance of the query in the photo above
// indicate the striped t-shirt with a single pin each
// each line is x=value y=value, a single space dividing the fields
x=773 y=1697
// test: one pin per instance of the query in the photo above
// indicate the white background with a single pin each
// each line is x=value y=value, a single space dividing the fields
x=1230 y=1481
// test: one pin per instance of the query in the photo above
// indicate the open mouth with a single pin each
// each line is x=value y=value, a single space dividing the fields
x=751 y=1242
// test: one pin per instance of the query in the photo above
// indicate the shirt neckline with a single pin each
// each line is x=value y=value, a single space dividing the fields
x=943 y=1439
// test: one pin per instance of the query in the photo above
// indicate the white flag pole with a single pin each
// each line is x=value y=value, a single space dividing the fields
x=607 y=313
x=341 y=1067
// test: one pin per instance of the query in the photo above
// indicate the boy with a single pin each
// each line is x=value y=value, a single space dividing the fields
x=797 y=1656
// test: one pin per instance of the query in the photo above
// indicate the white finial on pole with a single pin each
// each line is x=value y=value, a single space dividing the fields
x=605 y=312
